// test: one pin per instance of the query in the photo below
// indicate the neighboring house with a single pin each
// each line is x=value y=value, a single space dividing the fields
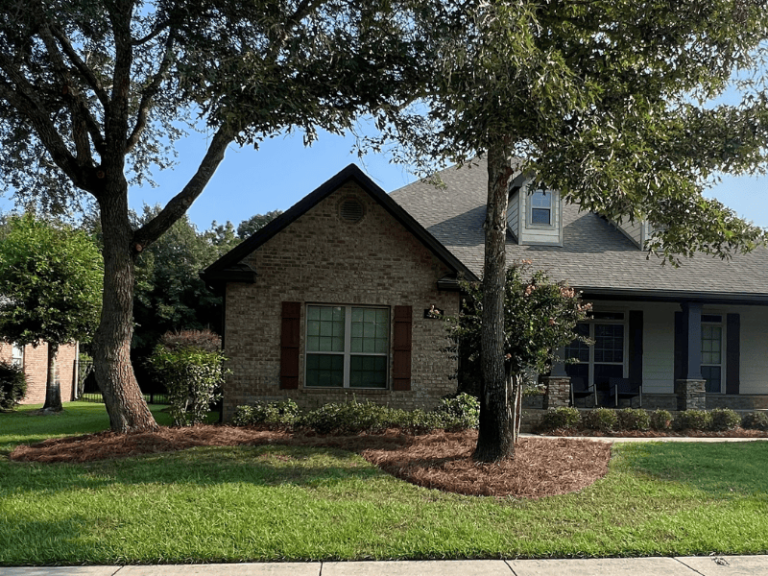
x=330 y=300
x=34 y=361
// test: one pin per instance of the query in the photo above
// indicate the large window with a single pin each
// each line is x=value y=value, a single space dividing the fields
x=17 y=355
x=347 y=346
x=541 y=208
x=712 y=352
x=605 y=358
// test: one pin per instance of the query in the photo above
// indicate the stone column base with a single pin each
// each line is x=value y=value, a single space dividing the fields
x=691 y=394
x=558 y=391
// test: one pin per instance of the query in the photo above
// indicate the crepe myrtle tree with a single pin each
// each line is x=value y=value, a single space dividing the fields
x=614 y=103
x=50 y=281
x=94 y=94
x=539 y=319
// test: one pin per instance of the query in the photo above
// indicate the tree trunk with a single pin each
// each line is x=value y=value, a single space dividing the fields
x=112 y=342
x=495 y=440
x=52 y=388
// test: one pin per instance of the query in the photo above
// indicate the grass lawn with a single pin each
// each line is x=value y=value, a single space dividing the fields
x=280 y=503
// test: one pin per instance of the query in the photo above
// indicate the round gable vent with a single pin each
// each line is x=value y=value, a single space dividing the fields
x=351 y=210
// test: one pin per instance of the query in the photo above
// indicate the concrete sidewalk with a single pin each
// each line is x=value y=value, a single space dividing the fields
x=682 y=566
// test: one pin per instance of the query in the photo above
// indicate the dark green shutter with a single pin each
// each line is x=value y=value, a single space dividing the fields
x=636 y=347
x=732 y=358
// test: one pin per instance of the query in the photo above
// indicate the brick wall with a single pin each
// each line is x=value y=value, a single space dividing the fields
x=36 y=367
x=321 y=259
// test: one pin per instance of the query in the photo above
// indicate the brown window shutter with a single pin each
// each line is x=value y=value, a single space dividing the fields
x=290 y=338
x=402 y=345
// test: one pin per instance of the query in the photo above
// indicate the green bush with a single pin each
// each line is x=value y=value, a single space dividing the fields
x=633 y=419
x=459 y=413
x=192 y=376
x=602 y=419
x=755 y=421
x=693 y=420
x=563 y=417
x=13 y=385
x=661 y=420
x=271 y=415
x=724 y=419
x=350 y=418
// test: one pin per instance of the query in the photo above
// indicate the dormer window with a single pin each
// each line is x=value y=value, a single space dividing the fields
x=541 y=208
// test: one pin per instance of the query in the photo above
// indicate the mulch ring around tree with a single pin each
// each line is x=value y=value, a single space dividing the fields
x=441 y=460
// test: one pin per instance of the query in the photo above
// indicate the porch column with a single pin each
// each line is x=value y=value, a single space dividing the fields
x=690 y=390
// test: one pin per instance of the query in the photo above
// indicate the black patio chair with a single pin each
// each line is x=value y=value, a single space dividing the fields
x=621 y=389
x=580 y=390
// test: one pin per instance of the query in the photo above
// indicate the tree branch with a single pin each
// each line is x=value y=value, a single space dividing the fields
x=156 y=32
x=23 y=99
x=179 y=204
x=81 y=66
x=150 y=92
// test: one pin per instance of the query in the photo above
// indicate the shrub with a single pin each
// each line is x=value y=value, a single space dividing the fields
x=13 y=385
x=198 y=339
x=563 y=417
x=693 y=420
x=602 y=419
x=724 y=419
x=755 y=421
x=661 y=420
x=459 y=413
x=272 y=415
x=348 y=418
x=193 y=378
x=633 y=419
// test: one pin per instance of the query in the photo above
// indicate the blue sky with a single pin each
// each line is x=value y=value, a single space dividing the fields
x=282 y=171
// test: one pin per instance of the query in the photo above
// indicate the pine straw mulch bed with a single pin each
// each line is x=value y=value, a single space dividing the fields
x=734 y=433
x=441 y=460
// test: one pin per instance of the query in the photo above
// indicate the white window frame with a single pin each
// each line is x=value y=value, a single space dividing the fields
x=625 y=343
x=347 y=353
x=723 y=340
x=17 y=359
x=551 y=196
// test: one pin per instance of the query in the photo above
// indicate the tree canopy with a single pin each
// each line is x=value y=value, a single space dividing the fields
x=94 y=93
x=50 y=279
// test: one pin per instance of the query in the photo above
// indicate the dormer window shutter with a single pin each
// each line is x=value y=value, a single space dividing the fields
x=290 y=338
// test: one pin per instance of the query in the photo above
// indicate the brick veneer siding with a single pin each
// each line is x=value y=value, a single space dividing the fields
x=320 y=258
x=36 y=368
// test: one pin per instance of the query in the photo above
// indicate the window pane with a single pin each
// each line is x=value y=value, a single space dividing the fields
x=370 y=332
x=325 y=333
x=711 y=344
x=577 y=349
x=541 y=199
x=325 y=370
x=712 y=375
x=540 y=216
x=609 y=343
x=368 y=372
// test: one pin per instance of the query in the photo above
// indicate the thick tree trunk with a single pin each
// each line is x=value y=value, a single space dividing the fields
x=496 y=432
x=112 y=343
x=52 y=388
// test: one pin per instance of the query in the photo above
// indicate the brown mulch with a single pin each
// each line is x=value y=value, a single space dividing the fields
x=441 y=460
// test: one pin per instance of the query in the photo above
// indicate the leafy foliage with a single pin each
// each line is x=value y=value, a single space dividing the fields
x=255 y=223
x=539 y=317
x=191 y=374
x=724 y=419
x=51 y=280
x=563 y=417
x=13 y=385
x=693 y=420
x=601 y=419
x=661 y=420
x=755 y=421
x=633 y=419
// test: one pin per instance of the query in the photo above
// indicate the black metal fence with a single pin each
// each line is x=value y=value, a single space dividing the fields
x=151 y=398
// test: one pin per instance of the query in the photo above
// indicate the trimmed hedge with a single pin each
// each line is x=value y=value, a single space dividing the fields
x=563 y=417
x=453 y=414
x=755 y=421
x=602 y=419
x=13 y=385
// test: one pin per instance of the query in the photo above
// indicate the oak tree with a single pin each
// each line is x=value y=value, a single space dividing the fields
x=615 y=103
x=94 y=93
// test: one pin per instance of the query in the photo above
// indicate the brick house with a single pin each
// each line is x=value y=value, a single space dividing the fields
x=328 y=301
x=34 y=360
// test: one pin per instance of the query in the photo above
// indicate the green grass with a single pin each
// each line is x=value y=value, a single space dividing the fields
x=280 y=503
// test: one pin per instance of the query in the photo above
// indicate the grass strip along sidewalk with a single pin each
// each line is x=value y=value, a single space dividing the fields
x=277 y=502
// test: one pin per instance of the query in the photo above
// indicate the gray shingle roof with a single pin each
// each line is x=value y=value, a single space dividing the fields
x=595 y=257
